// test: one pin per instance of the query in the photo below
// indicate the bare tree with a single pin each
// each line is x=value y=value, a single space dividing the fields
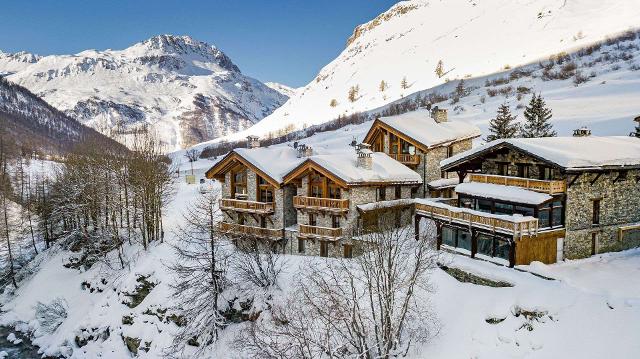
x=258 y=265
x=353 y=93
x=192 y=155
x=440 y=69
x=372 y=306
x=203 y=255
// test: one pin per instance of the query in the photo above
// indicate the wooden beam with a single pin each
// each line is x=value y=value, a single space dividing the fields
x=575 y=178
x=596 y=179
x=621 y=175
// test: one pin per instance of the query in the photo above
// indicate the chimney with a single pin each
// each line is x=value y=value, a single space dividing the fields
x=253 y=141
x=304 y=151
x=582 y=132
x=439 y=114
x=364 y=159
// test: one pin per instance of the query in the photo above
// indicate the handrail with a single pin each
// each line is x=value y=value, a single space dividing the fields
x=316 y=231
x=247 y=206
x=330 y=204
x=546 y=186
x=250 y=230
x=405 y=158
x=472 y=218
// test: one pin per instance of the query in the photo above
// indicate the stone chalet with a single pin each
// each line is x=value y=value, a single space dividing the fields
x=311 y=204
x=541 y=199
x=420 y=140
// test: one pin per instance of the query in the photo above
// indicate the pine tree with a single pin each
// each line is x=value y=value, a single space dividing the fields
x=404 y=83
x=637 y=131
x=383 y=86
x=537 y=116
x=504 y=125
x=353 y=93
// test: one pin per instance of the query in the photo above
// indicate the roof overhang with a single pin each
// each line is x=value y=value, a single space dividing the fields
x=231 y=160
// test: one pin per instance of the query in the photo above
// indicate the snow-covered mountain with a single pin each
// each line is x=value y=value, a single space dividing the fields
x=472 y=38
x=188 y=90
x=283 y=89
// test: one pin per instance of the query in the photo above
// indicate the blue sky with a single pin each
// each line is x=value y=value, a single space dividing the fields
x=284 y=41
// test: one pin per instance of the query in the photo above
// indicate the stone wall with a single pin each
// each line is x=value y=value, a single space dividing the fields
x=429 y=167
x=513 y=158
x=619 y=206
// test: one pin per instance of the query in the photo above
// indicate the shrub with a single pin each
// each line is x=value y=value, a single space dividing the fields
x=51 y=316
x=523 y=90
x=492 y=92
x=579 y=78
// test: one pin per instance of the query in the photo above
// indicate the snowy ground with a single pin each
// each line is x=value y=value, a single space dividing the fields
x=591 y=310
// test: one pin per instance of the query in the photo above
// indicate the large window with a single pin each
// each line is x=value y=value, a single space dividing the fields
x=503 y=168
x=484 y=205
x=382 y=193
x=316 y=184
x=239 y=186
x=485 y=245
x=503 y=208
x=265 y=190
x=557 y=214
x=545 y=173
x=523 y=170
x=312 y=219
x=596 y=211
x=335 y=221
x=334 y=191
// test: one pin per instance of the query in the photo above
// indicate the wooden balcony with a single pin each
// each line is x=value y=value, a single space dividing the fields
x=550 y=187
x=242 y=230
x=247 y=206
x=517 y=226
x=321 y=204
x=314 y=232
x=405 y=158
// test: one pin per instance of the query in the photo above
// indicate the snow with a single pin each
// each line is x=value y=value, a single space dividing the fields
x=570 y=152
x=283 y=89
x=505 y=193
x=444 y=182
x=470 y=38
x=514 y=218
x=421 y=127
x=385 y=204
x=385 y=169
x=274 y=161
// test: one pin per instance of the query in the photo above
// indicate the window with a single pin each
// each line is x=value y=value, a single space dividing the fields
x=324 y=249
x=240 y=219
x=381 y=193
x=316 y=183
x=594 y=243
x=464 y=240
x=557 y=214
x=449 y=151
x=466 y=202
x=239 y=186
x=312 y=219
x=525 y=211
x=449 y=236
x=485 y=245
x=596 y=211
x=265 y=190
x=300 y=245
x=394 y=144
x=503 y=168
x=348 y=251
x=334 y=191
x=263 y=222
x=543 y=217
x=484 y=205
x=545 y=173
x=398 y=192
x=335 y=221
x=503 y=208
x=523 y=170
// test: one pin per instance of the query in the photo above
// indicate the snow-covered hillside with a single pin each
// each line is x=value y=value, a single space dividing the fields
x=283 y=89
x=188 y=90
x=472 y=38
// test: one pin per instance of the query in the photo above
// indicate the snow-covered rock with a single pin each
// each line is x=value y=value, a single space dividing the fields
x=188 y=90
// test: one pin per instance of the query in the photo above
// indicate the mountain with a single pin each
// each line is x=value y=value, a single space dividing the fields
x=34 y=124
x=188 y=90
x=472 y=38
x=283 y=89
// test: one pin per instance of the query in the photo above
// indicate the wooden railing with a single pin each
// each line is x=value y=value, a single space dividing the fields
x=260 y=232
x=405 y=158
x=631 y=227
x=319 y=232
x=550 y=187
x=325 y=204
x=246 y=206
x=514 y=225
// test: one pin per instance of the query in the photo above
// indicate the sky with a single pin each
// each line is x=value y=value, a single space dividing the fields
x=284 y=41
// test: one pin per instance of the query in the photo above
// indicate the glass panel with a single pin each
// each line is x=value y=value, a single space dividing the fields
x=502 y=249
x=502 y=208
x=557 y=216
x=525 y=211
x=449 y=236
x=464 y=240
x=484 y=205
x=485 y=245
x=543 y=218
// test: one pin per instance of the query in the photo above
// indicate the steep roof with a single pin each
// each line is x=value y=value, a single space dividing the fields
x=571 y=153
x=344 y=168
x=419 y=127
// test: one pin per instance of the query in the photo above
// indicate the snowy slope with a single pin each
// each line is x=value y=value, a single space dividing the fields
x=472 y=38
x=188 y=90
x=283 y=89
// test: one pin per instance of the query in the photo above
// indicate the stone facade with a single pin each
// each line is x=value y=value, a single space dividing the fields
x=429 y=166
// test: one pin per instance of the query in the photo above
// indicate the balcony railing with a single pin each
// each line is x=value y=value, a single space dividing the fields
x=260 y=232
x=514 y=225
x=550 y=187
x=322 y=204
x=247 y=206
x=307 y=231
x=405 y=158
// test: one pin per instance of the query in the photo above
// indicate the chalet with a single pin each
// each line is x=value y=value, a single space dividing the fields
x=420 y=140
x=255 y=200
x=541 y=199
x=339 y=195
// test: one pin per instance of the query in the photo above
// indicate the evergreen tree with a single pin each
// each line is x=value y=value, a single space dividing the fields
x=637 y=131
x=537 y=116
x=504 y=125
x=404 y=83
x=383 y=86
x=440 y=69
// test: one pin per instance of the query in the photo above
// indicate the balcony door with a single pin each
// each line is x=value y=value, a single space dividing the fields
x=265 y=191
x=239 y=183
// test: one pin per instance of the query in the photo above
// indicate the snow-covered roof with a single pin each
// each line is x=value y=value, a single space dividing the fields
x=444 y=182
x=275 y=162
x=422 y=128
x=567 y=152
x=514 y=218
x=384 y=168
x=385 y=204
x=504 y=193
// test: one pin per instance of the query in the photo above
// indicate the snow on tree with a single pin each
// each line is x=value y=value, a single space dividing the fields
x=537 y=116
x=440 y=69
x=353 y=93
x=504 y=125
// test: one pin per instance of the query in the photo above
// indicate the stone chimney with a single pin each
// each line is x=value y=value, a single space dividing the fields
x=304 y=151
x=364 y=159
x=253 y=141
x=439 y=114
x=582 y=132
